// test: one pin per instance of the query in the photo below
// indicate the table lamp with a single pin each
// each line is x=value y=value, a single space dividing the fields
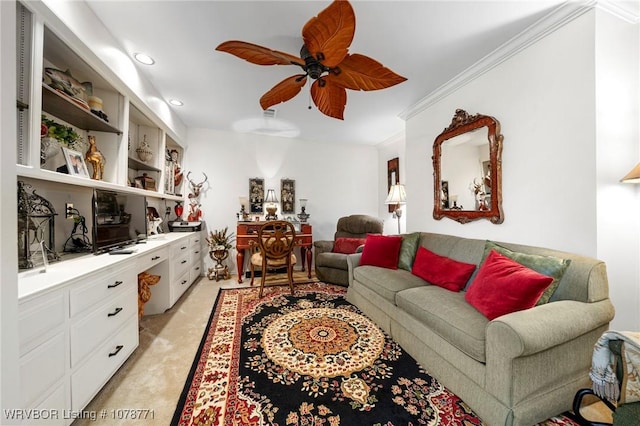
x=303 y=215
x=397 y=196
x=271 y=207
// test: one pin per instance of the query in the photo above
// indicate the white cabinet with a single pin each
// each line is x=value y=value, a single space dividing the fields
x=43 y=354
x=176 y=275
x=79 y=323
x=195 y=242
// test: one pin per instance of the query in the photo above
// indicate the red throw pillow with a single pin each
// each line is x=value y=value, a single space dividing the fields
x=441 y=271
x=381 y=250
x=347 y=245
x=503 y=286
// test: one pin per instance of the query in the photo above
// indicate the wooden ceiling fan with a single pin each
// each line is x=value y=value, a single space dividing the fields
x=325 y=58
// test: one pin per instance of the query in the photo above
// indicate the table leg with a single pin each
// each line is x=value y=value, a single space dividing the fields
x=240 y=263
x=308 y=261
x=303 y=251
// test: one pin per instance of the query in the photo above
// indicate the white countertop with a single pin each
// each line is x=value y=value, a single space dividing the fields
x=35 y=281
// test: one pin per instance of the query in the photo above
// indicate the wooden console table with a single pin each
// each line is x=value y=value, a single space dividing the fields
x=248 y=231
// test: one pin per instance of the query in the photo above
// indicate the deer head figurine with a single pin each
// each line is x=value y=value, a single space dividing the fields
x=196 y=187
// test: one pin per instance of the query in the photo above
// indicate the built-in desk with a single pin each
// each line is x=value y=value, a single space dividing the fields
x=78 y=321
x=247 y=232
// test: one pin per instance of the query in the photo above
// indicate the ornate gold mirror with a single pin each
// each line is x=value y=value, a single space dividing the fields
x=467 y=169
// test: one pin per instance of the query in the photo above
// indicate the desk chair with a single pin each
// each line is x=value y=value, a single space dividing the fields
x=276 y=240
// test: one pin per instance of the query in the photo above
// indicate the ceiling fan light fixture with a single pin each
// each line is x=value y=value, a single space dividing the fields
x=176 y=102
x=143 y=58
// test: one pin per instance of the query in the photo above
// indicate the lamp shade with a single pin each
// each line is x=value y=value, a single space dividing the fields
x=397 y=195
x=633 y=176
x=271 y=196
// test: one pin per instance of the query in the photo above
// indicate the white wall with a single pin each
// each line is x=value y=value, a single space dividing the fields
x=337 y=179
x=556 y=193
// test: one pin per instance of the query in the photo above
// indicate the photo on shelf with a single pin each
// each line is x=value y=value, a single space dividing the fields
x=75 y=163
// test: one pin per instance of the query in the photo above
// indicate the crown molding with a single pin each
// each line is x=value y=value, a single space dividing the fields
x=557 y=18
x=617 y=10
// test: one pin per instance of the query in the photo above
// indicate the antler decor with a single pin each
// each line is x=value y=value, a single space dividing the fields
x=324 y=57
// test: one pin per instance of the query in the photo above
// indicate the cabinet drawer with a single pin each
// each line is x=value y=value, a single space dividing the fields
x=195 y=240
x=196 y=254
x=100 y=287
x=38 y=316
x=87 y=380
x=179 y=286
x=181 y=265
x=180 y=248
x=91 y=330
x=41 y=368
x=147 y=260
x=196 y=271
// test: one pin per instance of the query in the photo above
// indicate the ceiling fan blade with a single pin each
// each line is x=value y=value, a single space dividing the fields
x=360 y=72
x=330 y=98
x=330 y=33
x=283 y=91
x=257 y=54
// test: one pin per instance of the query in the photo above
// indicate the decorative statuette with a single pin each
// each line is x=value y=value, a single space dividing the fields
x=144 y=150
x=95 y=158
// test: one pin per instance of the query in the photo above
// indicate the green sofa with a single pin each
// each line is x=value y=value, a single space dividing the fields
x=518 y=369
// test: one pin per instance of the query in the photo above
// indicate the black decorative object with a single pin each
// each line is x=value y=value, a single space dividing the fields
x=36 y=225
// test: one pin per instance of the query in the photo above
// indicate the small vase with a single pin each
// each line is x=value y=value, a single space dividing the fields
x=144 y=150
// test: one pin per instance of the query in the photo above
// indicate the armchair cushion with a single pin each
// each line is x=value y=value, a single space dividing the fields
x=503 y=286
x=347 y=245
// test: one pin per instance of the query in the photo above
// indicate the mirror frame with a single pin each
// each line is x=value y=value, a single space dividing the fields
x=462 y=122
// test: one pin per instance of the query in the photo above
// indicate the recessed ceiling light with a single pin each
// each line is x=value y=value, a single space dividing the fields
x=175 y=102
x=144 y=59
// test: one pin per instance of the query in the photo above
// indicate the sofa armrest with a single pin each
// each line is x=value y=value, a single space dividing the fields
x=353 y=260
x=533 y=330
x=323 y=247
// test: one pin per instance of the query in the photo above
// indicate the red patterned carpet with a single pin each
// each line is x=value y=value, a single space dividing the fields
x=309 y=359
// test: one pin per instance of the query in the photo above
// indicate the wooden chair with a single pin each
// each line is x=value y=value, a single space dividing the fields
x=276 y=240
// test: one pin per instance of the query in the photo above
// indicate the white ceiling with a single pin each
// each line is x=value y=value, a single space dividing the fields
x=428 y=42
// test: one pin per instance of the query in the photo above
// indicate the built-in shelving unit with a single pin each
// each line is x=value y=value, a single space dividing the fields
x=118 y=134
x=63 y=107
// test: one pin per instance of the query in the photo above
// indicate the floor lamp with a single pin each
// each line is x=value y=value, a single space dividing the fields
x=397 y=196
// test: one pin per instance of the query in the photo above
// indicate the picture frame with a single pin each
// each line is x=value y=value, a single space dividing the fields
x=75 y=162
x=287 y=196
x=393 y=177
x=256 y=195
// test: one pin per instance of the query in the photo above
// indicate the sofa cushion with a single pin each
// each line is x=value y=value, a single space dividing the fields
x=449 y=315
x=546 y=265
x=347 y=245
x=386 y=282
x=332 y=260
x=441 y=270
x=381 y=250
x=503 y=286
x=410 y=243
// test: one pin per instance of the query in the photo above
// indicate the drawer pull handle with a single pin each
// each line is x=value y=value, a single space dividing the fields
x=198 y=268
x=183 y=282
x=155 y=258
x=114 y=313
x=183 y=262
x=118 y=349
x=197 y=252
x=115 y=284
x=183 y=247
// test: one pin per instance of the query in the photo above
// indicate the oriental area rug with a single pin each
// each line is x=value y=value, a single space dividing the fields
x=309 y=359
